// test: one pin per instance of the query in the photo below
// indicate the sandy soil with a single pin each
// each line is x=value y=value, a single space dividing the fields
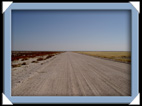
x=72 y=74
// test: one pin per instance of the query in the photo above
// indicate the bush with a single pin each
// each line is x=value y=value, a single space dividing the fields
x=34 y=61
x=49 y=56
x=16 y=65
x=24 y=59
x=40 y=59
x=23 y=63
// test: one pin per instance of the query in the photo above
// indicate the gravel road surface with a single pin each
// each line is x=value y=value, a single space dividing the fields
x=73 y=74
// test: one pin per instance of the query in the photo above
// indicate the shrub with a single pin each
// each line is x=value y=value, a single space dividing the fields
x=49 y=56
x=112 y=57
x=23 y=63
x=16 y=65
x=123 y=56
x=40 y=59
x=34 y=61
x=129 y=61
x=24 y=59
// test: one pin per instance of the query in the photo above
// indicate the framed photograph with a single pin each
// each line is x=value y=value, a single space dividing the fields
x=71 y=53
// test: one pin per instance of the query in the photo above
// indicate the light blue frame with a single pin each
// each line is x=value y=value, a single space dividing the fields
x=71 y=99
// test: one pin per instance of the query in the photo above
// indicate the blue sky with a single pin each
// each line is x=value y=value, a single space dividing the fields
x=68 y=30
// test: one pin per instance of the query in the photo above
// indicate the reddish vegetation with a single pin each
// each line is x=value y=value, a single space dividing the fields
x=16 y=55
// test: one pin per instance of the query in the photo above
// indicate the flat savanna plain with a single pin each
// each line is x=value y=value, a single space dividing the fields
x=120 y=56
x=69 y=74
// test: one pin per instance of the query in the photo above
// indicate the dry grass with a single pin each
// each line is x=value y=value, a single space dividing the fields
x=117 y=56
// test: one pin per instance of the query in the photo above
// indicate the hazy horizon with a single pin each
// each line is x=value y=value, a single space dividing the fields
x=71 y=30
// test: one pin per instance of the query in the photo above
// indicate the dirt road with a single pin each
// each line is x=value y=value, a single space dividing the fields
x=73 y=74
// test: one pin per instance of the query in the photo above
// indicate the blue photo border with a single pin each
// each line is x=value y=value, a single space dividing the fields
x=71 y=99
